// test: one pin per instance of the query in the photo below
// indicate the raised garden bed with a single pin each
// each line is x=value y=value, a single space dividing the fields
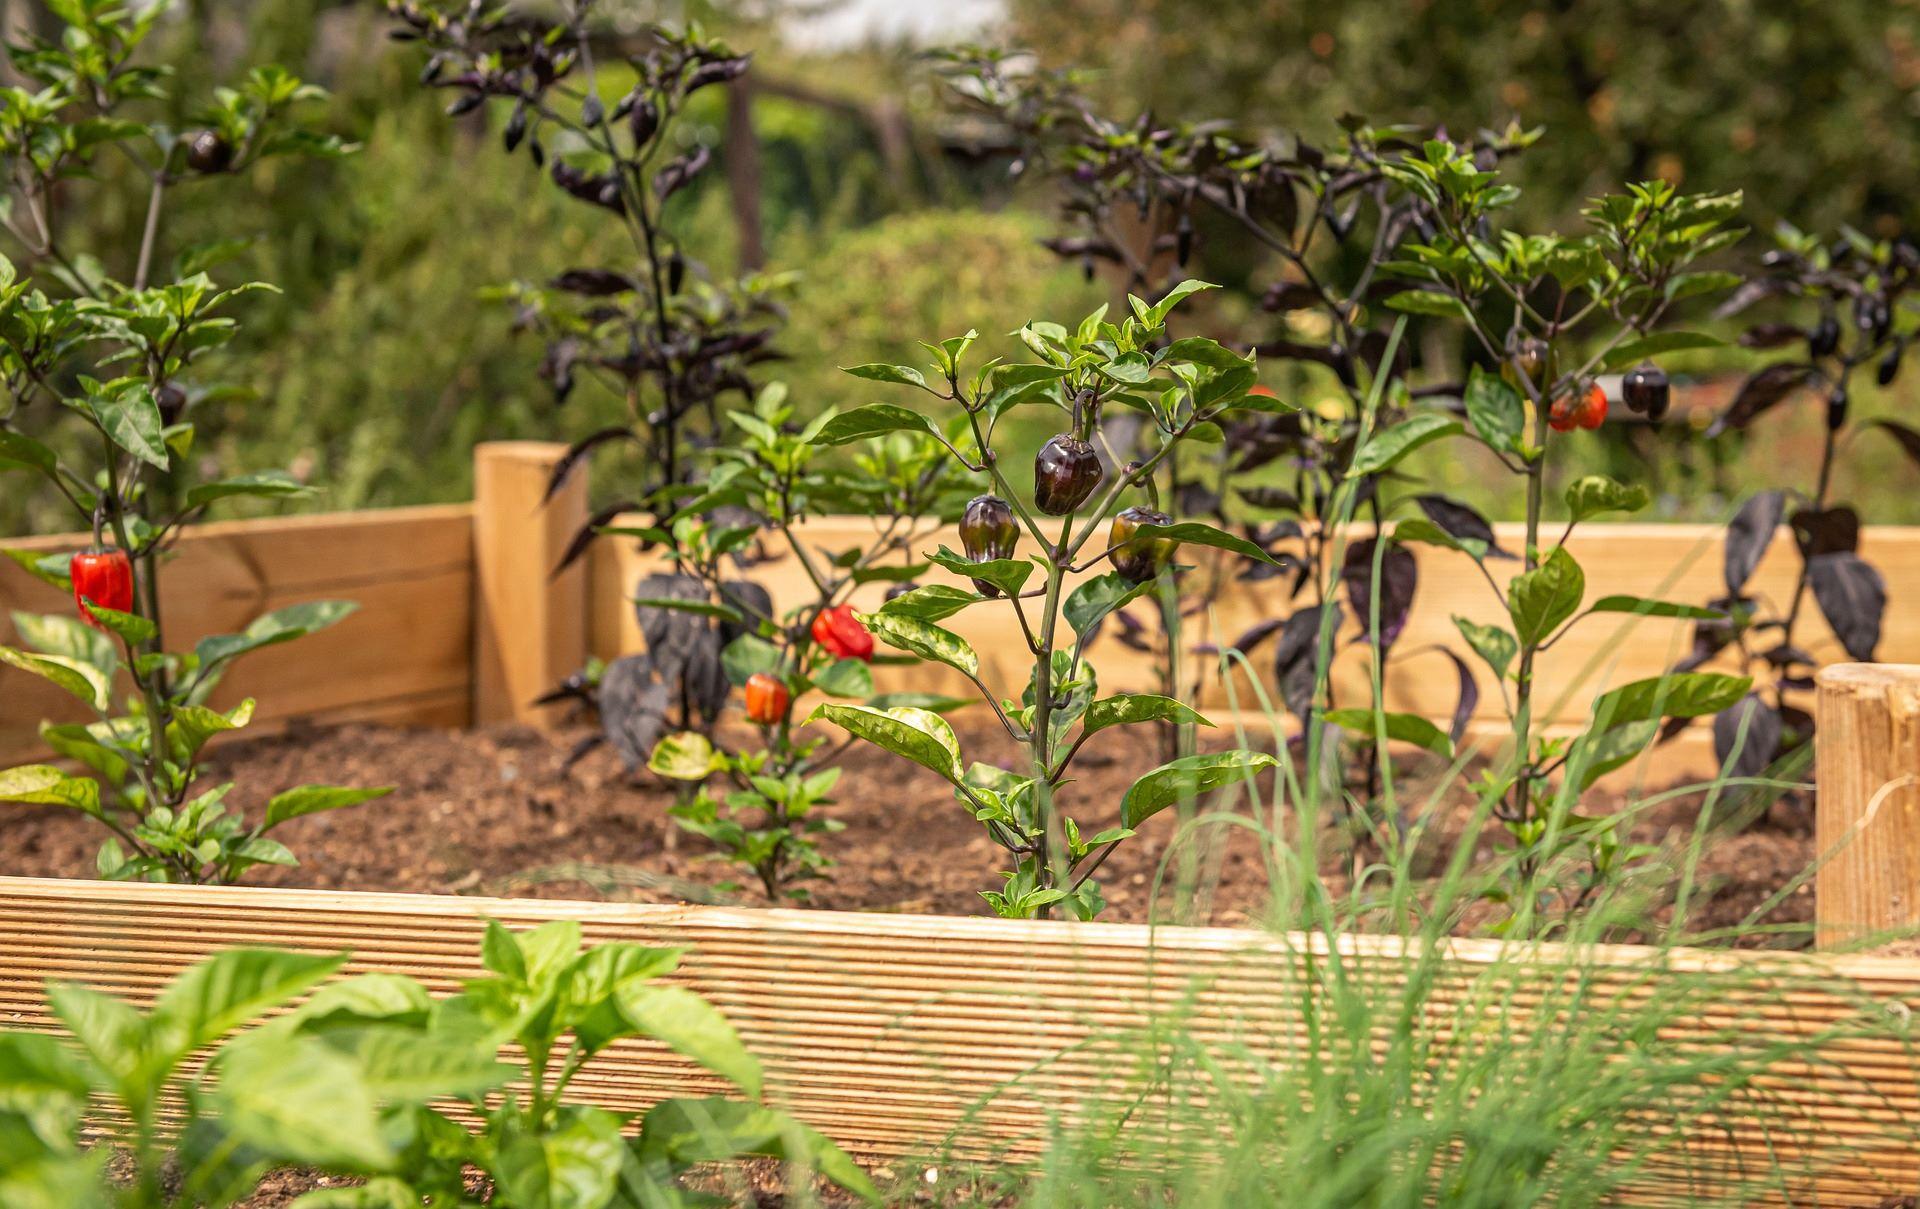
x=884 y=1028
x=889 y=1032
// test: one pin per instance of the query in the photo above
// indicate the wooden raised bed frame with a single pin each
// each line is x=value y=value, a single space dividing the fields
x=887 y=1031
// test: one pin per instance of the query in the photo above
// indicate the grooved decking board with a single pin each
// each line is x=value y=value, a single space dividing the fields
x=1672 y=562
x=889 y=1032
x=405 y=657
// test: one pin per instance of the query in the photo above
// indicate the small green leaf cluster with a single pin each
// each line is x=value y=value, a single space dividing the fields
x=357 y=1081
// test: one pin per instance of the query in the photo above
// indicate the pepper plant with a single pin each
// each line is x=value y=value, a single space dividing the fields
x=1549 y=313
x=356 y=1080
x=1853 y=288
x=1185 y=389
x=69 y=323
x=656 y=328
x=771 y=480
x=1320 y=221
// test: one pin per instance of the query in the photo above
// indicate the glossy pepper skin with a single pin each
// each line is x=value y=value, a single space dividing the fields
x=104 y=577
x=1065 y=472
x=209 y=152
x=1837 y=409
x=767 y=699
x=1646 y=390
x=988 y=531
x=1566 y=415
x=1533 y=358
x=840 y=633
x=1139 y=559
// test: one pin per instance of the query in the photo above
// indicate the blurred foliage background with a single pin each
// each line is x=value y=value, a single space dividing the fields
x=379 y=365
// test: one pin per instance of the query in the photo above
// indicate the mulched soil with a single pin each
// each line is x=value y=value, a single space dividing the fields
x=493 y=812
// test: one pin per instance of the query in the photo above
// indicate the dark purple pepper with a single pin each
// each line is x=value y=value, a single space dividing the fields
x=643 y=120
x=1139 y=559
x=1065 y=472
x=988 y=531
x=209 y=152
x=901 y=589
x=1837 y=409
x=1824 y=338
x=1889 y=367
x=1646 y=390
x=172 y=402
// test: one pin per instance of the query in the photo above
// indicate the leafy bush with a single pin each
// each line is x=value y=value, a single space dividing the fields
x=119 y=451
x=1184 y=389
x=760 y=491
x=352 y=1082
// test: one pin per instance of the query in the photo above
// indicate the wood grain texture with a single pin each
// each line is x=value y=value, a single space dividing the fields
x=529 y=624
x=1867 y=814
x=406 y=656
x=891 y=1032
x=1671 y=562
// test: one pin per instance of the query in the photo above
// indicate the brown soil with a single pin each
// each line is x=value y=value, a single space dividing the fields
x=492 y=812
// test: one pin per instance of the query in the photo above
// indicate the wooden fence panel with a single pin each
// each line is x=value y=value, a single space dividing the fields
x=888 y=1032
x=405 y=657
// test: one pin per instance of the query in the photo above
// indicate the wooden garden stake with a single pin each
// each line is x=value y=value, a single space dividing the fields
x=1867 y=811
x=530 y=628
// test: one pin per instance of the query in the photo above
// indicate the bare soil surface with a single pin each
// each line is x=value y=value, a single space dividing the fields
x=493 y=811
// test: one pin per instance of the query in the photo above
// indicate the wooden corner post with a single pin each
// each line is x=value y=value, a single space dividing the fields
x=530 y=626
x=1867 y=805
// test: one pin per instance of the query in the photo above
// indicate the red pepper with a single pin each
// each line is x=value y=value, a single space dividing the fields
x=767 y=698
x=841 y=633
x=1566 y=415
x=104 y=577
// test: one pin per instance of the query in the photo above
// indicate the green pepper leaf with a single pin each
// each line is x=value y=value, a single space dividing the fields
x=1088 y=605
x=1498 y=413
x=1635 y=351
x=933 y=602
x=266 y=484
x=917 y=734
x=1123 y=708
x=45 y=785
x=311 y=799
x=1655 y=608
x=1007 y=574
x=83 y=680
x=1491 y=643
x=1403 y=728
x=1542 y=599
x=1596 y=493
x=1188 y=777
x=1388 y=446
x=1194 y=533
x=922 y=638
x=873 y=420
x=1675 y=695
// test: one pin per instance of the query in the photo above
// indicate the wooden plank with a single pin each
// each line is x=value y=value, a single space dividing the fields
x=1867 y=813
x=403 y=657
x=1676 y=562
x=889 y=1032
x=529 y=624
